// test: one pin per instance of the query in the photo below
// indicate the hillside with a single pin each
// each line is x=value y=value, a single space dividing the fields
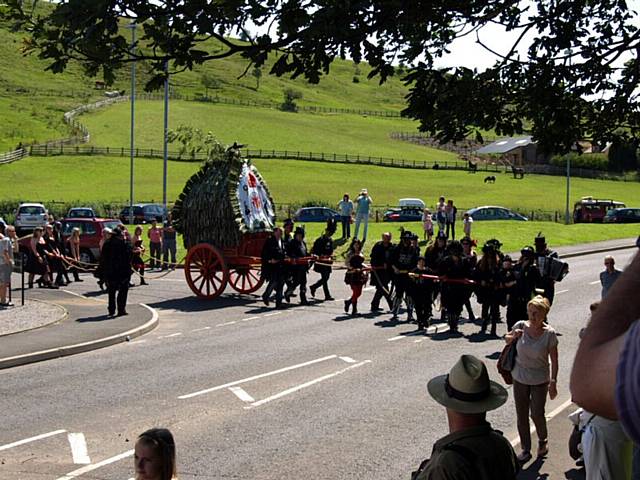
x=33 y=100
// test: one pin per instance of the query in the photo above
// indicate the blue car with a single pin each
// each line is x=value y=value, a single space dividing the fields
x=315 y=214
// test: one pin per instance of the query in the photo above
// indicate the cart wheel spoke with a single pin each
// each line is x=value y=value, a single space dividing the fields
x=206 y=271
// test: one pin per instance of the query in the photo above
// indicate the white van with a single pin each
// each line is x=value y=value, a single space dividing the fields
x=411 y=203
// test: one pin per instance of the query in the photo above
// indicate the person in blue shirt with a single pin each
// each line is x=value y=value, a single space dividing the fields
x=363 y=202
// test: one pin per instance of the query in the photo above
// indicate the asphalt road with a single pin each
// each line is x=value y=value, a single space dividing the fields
x=251 y=392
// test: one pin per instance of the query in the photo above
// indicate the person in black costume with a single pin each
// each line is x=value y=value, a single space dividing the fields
x=356 y=276
x=421 y=292
x=471 y=257
x=323 y=247
x=433 y=256
x=115 y=265
x=526 y=276
x=487 y=276
x=545 y=282
x=381 y=271
x=455 y=267
x=297 y=248
x=273 y=271
x=404 y=259
x=54 y=256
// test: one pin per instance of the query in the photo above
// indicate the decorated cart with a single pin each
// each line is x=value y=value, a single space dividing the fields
x=225 y=214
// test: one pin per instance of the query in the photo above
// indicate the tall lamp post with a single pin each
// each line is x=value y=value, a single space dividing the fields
x=567 y=215
x=132 y=26
x=166 y=136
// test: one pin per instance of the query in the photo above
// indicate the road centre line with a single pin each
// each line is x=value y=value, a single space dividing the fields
x=249 y=318
x=79 y=452
x=347 y=359
x=177 y=334
x=256 y=377
x=305 y=385
x=200 y=329
x=225 y=324
x=30 y=439
x=242 y=394
x=95 y=466
x=272 y=314
x=594 y=283
x=561 y=291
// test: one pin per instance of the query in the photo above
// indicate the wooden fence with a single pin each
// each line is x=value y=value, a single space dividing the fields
x=13 y=155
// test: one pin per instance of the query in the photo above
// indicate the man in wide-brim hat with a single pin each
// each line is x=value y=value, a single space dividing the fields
x=472 y=449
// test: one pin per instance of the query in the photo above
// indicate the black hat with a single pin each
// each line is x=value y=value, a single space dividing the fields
x=441 y=235
x=507 y=258
x=421 y=258
x=287 y=221
x=455 y=248
x=299 y=230
x=466 y=239
x=527 y=251
x=494 y=242
x=406 y=235
x=540 y=239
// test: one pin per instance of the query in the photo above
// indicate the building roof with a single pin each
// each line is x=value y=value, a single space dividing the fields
x=506 y=145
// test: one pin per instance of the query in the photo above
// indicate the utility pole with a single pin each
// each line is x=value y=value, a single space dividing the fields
x=132 y=26
x=166 y=136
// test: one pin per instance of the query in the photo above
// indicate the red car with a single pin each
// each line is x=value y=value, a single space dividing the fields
x=90 y=234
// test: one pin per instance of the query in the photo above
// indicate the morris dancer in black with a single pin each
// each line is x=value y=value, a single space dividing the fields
x=472 y=258
x=287 y=236
x=454 y=267
x=356 y=277
x=381 y=271
x=543 y=253
x=421 y=291
x=433 y=258
x=297 y=248
x=522 y=290
x=487 y=274
x=273 y=254
x=115 y=264
x=403 y=260
x=323 y=247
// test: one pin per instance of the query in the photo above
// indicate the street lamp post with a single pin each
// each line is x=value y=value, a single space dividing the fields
x=132 y=26
x=567 y=216
x=166 y=135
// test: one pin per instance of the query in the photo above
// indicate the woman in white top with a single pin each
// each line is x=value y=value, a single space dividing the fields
x=537 y=347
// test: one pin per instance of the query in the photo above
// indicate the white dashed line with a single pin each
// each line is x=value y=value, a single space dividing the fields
x=242 y=394
x=561 y=291
x=79 y=451
x=347 y=359
x=305 y=385
x=249 y=319
x=595 y=282
x=30 y=439
x=200 y=329
x=256 y=377
x=95 y=466
x=225 y=324
x=272 y=314
x=172 y=335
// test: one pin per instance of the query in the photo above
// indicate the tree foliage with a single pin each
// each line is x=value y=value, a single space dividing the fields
x=572 y=71
x=290 y=97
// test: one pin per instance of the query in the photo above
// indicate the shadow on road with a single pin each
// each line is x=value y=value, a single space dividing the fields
x=195 y=304
x=98 y=318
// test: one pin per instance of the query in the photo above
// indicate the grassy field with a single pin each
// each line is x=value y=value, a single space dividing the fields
x=106 y=179
x=260 y=128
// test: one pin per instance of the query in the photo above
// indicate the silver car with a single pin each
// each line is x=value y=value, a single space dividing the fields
x=30 y=216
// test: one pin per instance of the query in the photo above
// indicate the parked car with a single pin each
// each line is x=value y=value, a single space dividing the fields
x=593 y=210
x=622 y=215
x=81 y=212
x=490 y=212
x=30 y=216
x=315 y=214
x=90 y=234
x=144 y=213
x=406 y=214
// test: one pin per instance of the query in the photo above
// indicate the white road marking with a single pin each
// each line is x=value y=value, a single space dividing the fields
x=95 y=466
x=440 y=328
x=249 y=319
x=177 y=334
x=347 y=359
x=137 y=341
x=256 y=377
x=272 y=314
x=83 y=296
x=561 y=291
x=305 y=385
x=200 y=329
x=225 y=324
x=79 y=451
x=516 y=441
x=595 y=282
x=30 y=439
x=242 y=394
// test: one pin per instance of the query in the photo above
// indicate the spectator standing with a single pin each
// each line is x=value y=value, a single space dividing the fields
x=467 y=223
x=537 y=344
x=472 y=449
x=441 y=215
x=155 y=245
x=346 y=211
x=451 y=212
x=155 y=455
x=356 y=277
x=115 y=264
x=363 y=202
x=427 y=225
x=74 y=252
x=169 y=244
x=609 y=275
x=6 y=266
x=138 y=250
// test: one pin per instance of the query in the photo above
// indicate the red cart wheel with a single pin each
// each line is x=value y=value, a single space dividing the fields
x=245 y=280
x=206 y=271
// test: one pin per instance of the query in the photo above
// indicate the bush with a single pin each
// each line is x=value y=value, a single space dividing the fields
x=290 y=97
x=591 y=161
